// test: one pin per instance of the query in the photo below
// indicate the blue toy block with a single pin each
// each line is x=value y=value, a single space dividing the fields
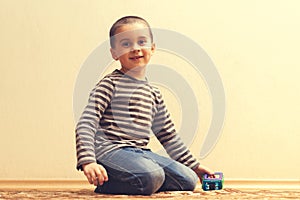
x=213 y=183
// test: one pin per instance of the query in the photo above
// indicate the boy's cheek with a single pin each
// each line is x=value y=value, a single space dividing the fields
x=120 y=53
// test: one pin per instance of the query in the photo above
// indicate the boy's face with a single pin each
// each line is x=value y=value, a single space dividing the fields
x=133 y=46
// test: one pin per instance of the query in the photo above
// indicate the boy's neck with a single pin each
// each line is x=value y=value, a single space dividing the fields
x=138 y=73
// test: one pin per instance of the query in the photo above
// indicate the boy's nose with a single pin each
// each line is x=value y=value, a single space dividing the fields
x=135 y=47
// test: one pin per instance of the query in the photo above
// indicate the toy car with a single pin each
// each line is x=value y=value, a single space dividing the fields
x=215 y=183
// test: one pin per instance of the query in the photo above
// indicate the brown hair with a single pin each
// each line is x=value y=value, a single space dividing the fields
x=127 y=20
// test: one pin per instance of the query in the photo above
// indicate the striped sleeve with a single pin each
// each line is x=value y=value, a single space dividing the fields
x=165 y=132
x=88 y=123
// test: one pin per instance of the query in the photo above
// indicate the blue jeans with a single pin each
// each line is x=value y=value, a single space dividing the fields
x=141 y=172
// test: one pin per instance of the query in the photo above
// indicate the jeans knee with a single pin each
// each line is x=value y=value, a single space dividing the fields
x=191 y=182
x=152 y=181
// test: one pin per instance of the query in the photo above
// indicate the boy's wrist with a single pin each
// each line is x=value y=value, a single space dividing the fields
x=83 y=164
x=88 y=163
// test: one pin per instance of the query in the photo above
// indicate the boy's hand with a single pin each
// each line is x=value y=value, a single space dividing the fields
x=95 y=173
x=201 y=170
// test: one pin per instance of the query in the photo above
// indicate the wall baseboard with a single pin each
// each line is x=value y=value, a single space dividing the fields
x=45 y=184
x=293 y=184
x=83 y=184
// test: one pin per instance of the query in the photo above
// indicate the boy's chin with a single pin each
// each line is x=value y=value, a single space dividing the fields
x=138 y=67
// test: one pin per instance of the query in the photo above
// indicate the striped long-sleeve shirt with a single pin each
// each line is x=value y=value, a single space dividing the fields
x=123 y=112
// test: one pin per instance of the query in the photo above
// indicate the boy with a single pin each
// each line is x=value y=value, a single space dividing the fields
x=114 y=129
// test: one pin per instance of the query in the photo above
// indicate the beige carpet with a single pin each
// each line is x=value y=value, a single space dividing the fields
x=226 y=193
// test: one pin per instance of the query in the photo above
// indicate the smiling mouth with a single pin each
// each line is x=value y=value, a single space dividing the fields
x=136 y=57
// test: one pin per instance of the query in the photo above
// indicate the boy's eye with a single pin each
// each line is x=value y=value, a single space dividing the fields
x=142 y=42
x=125 y=44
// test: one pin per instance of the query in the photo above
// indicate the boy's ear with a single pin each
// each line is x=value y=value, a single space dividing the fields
x=153 y=47
x=114 y=54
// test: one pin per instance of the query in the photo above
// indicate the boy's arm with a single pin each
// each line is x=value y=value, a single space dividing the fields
x=164 y=130
x=88 y=123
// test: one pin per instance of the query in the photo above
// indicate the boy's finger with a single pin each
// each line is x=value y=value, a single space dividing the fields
x=212 y=176
x=92 y=177
x=99 y=178
x=104 y=173
x=95 y=181
x=89 y=178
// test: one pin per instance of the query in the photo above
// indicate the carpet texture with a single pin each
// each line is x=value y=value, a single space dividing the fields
x=226 y=193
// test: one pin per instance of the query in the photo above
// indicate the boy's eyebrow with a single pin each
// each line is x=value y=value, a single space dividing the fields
x=124 y=39
x=143 y=37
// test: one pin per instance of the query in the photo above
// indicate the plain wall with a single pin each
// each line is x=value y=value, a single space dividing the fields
x=254 y=45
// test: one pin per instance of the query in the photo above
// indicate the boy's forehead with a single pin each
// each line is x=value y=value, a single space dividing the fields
x=132 y=31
